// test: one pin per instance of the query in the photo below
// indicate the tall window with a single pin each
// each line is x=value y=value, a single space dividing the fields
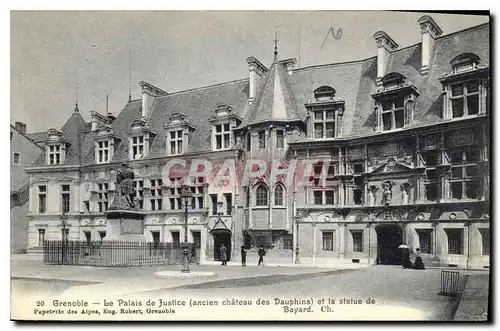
x=102 y=235
x=262 y=139
x=176 y=139
x=249 y=141
x=103 y=151
x=139 y=192
x=324 y=123
x=261 y=196
x=42 y=198
x=102 y=196
x=280 y=139
x=138 y=147
x=465 y=98
x=197 y=202
x=455 y=241
x=393 y=113
x=156 y=194
x=174 y=194
x=278 y=195
x=55 y=154
x=424 y=240
x=485 y=238
x=196 y=238
x=222 y=136
x=328 y=240
x=17 y=158
x=176 y=238
x=65 y=198
x=213 y=199
x=357 y=240
x=229 y=203
x=465 y=175
x=41 y=237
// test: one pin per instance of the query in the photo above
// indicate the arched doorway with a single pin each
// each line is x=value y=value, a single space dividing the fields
x=389 y=237
x=221 y=236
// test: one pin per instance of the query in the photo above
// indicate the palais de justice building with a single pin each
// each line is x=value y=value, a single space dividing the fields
x=402 y=136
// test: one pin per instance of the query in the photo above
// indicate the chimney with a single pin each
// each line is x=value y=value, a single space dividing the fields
x=94 y=119
x=289 y=64
x=385 y=45
x=20 y=127
x=256 y=71
x=430 y=31
x=149 y=93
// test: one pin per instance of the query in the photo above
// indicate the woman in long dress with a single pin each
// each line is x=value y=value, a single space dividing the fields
x=419 y=264
x=406 y=262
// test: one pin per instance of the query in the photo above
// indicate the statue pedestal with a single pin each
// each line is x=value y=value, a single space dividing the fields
x=125 y=225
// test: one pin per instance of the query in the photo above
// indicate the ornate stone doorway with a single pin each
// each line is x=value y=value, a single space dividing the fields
x=389 y=237
x=221 y=236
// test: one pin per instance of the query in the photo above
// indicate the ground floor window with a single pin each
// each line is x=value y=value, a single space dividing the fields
x=41 y=237
x=455 y=241
x=425 y=240
x=196 y=238
x=485 y=238
x=328 y=240
x=176 y=238
x=102 y=234
x=357 y=240
x=88 y=237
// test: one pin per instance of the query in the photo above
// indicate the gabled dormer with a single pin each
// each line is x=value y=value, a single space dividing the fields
x=466 y=88
x=105 y=142
x=394 y=102
x=55 y=147
x=325 y=114
x=178 y=132
x=140 y=138
x=223 y=121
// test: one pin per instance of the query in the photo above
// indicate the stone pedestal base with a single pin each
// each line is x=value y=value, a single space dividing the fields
x=125 y=225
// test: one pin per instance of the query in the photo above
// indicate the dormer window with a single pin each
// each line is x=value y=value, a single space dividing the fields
x=140 y=139
x=105 y=142
x=465 y=89
x=325 y=114
x=178 y=133
x=55 y=147
x=55 y=154
x=138 y=147
x=176 y=139
x=103 y=152
x=394 y=102
x=223 y=121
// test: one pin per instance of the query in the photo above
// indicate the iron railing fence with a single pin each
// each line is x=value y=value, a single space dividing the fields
x=115 y=253
x=449 y=282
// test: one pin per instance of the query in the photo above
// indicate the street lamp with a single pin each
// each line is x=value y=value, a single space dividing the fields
x=185 y=196
x=63 y=219
x=297 y=218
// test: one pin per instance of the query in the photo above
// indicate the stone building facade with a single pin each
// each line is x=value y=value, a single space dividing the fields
x=398 y=143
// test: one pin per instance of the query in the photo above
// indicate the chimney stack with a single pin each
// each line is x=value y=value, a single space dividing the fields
x=94 y=118
x=289 y=64
x=430 y=31
x=385 y=45
x=149 y=93
x=256 y=71
x=20 y=127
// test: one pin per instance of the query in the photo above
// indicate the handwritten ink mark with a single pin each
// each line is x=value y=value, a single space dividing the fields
x=336 y=35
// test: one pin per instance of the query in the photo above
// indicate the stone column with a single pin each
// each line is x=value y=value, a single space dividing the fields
x=314 y=242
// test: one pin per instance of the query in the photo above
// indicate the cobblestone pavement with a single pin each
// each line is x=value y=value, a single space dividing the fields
x=399 y=294
x=473 y=304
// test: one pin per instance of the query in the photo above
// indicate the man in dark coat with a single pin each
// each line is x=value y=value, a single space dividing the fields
x=406 y=262
x=261 y=253
x=419 y=264
x=243 y=256
x=223 y=254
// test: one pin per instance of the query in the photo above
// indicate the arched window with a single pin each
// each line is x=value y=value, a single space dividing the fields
x=261 y=196
x=278 y=195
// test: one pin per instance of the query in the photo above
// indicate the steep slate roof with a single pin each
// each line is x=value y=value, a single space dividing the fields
x=282 y=97
x=275 y=99
x=37 y=136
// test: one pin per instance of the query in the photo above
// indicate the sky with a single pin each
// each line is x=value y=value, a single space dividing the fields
x=177 y=50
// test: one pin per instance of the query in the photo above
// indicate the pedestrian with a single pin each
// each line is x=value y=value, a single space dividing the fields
x=243 y=256
x=261 y=253
x=223 y=254
x=419 y=264
x=406 y=262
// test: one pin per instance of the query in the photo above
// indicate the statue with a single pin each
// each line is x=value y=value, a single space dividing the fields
x=387 y=192
x=125 y=192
